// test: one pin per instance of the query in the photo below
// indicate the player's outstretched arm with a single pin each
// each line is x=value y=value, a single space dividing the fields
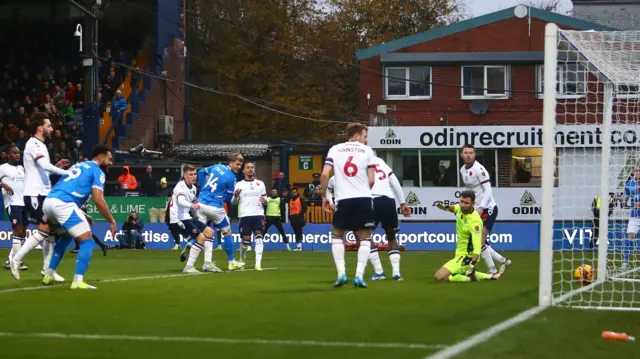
x=444 y=207
x=101 y=204
x=47 y=166
x=181 y=201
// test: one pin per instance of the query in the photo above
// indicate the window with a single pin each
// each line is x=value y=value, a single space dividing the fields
x=406 y=167
x=572 y=81
x=439 y=168
x=486 y=157
x=628 y=92
x=435 y=167
x=408 y=83
x=484 y=82
x=526 y=167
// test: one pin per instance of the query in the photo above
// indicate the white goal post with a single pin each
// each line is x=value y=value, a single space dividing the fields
x=591 y=147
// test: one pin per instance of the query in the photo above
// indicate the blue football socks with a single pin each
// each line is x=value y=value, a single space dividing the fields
x=59 y=250
x=84 y=256
x=228 y=247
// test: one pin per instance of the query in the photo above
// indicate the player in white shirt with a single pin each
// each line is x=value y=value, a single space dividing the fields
x=12 y=184
x=386 y=191
x=476 y=178
x=353 y=163
x=183 y=202
x=250 y=195
x=37 y=166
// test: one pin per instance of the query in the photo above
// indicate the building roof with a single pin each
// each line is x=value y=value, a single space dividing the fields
x=197 y=152
x=605 y=2
x=547 y=16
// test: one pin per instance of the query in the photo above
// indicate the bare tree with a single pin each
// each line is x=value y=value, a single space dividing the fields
x=547 y=5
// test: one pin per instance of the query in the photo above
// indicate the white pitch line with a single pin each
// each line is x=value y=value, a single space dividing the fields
x=127 y=279
x=486 y=334
x=313 y=343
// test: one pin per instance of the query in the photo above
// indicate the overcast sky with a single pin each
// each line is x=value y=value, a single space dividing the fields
x=481 y=7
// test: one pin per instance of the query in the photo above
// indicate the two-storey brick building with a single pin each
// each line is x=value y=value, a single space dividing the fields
x=477 y=81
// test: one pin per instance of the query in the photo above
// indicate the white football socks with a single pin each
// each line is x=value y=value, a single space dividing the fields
x=16 y=245
x=486 y=257
x=208 y=251
x=497 y=256
x=363 y=257
x=259 y=250
x=394 y=258
x=47 y=251
x=33 y=241
x=194 y=253
x=374 y=258
x=337 y=249
x=244 y=246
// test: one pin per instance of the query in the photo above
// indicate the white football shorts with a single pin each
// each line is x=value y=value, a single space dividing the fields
x=634 y=225
x=68 y=215
x=217 y=215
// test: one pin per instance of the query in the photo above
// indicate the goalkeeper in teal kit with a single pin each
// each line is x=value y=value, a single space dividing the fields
x=469 y=245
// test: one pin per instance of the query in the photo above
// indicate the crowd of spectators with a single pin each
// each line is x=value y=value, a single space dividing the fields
x=57 y=89
x=25 y=90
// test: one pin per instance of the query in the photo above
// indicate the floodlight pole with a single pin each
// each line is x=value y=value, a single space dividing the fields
x=91 y=120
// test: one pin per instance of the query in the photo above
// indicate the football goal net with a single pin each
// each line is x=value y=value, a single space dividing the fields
x=591 y=170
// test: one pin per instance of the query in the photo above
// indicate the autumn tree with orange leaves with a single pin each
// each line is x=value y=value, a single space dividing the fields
x=294 y=56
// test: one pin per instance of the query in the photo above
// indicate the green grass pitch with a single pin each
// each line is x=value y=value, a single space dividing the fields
x=289 y=311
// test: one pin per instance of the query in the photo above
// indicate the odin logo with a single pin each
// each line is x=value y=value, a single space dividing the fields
x=390 y=138
x=413 y=202
x=527 y=205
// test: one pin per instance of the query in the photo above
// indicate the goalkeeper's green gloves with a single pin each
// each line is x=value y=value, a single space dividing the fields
x=440 y=205
x=472 y=268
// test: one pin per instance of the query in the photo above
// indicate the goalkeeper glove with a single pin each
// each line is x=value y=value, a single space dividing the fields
x=440 y=205
x=472 y=269
x=180 y=224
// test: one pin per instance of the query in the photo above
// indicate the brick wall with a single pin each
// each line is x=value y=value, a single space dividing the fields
x=504 y=167
x=144 y=128
x=165 y=98
x=275 y=163
x=522 y=108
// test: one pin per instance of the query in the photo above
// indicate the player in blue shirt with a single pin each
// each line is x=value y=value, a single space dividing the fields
x=62 y=206
x=217 y=183
x=632 y=193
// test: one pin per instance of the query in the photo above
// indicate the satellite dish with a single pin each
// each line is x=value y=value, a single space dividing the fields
x=479 y=107
x=520 y=11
